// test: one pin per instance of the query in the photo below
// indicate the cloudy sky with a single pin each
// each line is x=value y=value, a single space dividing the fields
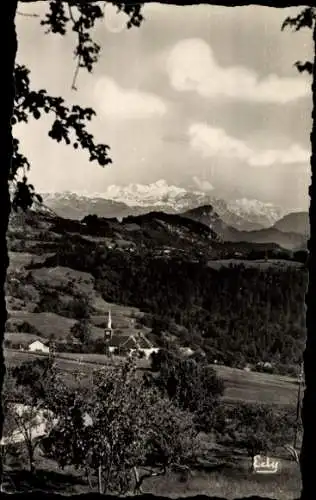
x=201 y=96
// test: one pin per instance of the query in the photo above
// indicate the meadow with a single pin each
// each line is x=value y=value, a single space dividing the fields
x=239 y=384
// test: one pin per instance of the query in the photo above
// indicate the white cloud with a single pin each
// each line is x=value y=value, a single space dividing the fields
x=294 y=154
x=211 y=141
x=214 y=142
x=119 y=103
x=191 y=66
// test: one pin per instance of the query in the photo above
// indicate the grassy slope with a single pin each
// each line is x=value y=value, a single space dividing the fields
x=240 y=385
x=229 y=482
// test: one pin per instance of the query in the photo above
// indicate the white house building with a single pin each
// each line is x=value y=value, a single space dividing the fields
x=39 y=346
x=34 y=424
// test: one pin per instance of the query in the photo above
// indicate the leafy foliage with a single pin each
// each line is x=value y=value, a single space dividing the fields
x=116 y=425
x=257 y=428
x=34 y=380
x=305 y=19
x=81 y=330
x=24 y=393
x=69 y=124
x=191 y=385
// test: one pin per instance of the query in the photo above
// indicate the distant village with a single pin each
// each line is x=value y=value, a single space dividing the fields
x=114 y=343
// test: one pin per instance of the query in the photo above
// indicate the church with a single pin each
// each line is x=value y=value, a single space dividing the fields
x=126 y=343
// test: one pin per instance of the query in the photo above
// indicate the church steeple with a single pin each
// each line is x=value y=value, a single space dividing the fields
x=109 y=320
x=108 y=333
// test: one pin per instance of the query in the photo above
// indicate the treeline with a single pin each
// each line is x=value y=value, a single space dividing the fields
x=236 y=314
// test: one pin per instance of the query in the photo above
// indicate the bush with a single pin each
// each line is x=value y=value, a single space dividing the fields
x=193 y=385
x=80 y=307
x=81 y=330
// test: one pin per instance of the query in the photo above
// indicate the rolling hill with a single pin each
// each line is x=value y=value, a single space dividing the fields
x=170 y=276
x=294 y=222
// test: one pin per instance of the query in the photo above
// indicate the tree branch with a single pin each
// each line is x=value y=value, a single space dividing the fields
x=73 y=85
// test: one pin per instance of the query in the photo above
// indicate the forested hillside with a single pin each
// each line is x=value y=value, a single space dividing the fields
x=236 y=313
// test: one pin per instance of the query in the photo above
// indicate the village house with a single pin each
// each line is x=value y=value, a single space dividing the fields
x=19 y=341
x=39 y=346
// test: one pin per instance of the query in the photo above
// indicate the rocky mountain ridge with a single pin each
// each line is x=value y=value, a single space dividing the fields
x=138 y=199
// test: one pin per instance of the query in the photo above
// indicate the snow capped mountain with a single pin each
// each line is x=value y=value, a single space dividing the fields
x=134 y=199
x=256 y=210
x=163 y=196
x=155 y=194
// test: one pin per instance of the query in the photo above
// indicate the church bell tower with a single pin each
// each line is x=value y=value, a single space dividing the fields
x=108 y=333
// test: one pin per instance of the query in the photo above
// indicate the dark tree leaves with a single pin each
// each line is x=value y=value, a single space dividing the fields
x=69 y=123
x=304 y=66
x=305 y=19
x=69 y=126
x=83 y=17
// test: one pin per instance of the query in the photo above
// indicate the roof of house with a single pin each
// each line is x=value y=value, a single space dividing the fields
x=45 y=342
x=143 y=343
x=122 y=341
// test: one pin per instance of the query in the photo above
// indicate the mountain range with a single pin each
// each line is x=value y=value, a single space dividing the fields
x=241 y=220
x=286 y=238
x=137 y=199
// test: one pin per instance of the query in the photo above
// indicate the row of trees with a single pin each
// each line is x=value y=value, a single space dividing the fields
x=118 y=427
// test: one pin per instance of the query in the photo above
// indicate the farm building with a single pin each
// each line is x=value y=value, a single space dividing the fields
x=39 y=346
x=20 y=341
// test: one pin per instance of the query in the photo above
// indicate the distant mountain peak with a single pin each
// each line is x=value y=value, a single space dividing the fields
x=136 y=199
x=250 y=207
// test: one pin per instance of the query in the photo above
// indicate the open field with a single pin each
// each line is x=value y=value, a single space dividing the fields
x=20 y=260
x=254 y=386
x=49 y=324
x=239 y=385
